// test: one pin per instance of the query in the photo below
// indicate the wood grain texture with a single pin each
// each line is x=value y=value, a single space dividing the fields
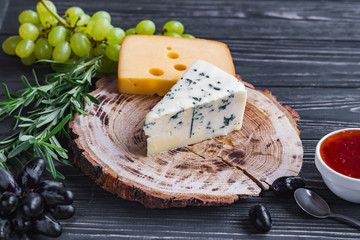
x=310 y=62
x=110 y=146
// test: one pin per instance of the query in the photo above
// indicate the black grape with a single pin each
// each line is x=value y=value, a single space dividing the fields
x=69 y=197
x=286 y=186
x=31 y=173
x=20 y=222
x=47 y=225
x=260 y=217
x=32 y=204
x=5 y=229
x=18 y=236
x=8 y=183
x=63 y=211
x=8 y=203
x=53 y=193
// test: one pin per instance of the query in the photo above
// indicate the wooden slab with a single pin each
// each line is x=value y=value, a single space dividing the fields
x=110 y=146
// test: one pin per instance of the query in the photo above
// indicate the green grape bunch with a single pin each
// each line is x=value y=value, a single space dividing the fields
x=45 y=35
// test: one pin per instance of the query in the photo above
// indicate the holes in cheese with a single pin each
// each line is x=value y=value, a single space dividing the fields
x=180 y=67
x=173 y=55
x=139 y=54
x=156 y=71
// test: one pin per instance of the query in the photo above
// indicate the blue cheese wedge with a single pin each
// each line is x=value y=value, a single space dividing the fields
x=205 y=103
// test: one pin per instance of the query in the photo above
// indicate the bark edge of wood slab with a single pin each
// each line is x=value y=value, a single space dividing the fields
x=110 y=147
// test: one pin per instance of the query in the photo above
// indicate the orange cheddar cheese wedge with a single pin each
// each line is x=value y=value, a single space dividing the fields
x=153 y=64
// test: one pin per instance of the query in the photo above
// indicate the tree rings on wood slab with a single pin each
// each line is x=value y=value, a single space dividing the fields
x=110 y=146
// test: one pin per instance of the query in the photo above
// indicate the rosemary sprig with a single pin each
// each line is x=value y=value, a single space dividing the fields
x=49 y=108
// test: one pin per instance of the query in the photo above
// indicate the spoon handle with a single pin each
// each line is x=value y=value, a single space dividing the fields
x=346 y=218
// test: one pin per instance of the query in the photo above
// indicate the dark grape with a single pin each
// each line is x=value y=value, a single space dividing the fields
x=18 y=236
x=286 y=186
x=5 y=229
x=47 y=225
x=32 y=204
x=62 y=211
x=53 y=193
x=31 y=173
x=260 y=217
x=8 y=183
x=20 y=222
x=53 y=198
x=69 y=197
x=50 y=185
x=8 y=203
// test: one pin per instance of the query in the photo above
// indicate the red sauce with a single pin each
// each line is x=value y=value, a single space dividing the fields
x=341 y=152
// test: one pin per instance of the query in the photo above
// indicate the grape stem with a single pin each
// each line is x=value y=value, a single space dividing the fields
x=60 y=19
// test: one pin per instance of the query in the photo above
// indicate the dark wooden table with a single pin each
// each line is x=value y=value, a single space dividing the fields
x=306 y=52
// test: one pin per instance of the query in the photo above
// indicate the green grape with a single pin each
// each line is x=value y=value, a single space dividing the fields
x=173 y=26
x=68 y=33
x=73 y=12
x=83 y=20
x=90 y=55
x=187 y=36
x=73 y=20
x=73 y=15
x=101 y=14
x=115 y=36
x=29 y=60
x=82 y=23
x=89 y=26
x=81 y=29
x=130 y=31
x=43 y=49
x=29 y=16
x=24 y=48
x=100 y=29
x=41 y=28
x=145 y=27
x=62 y=52
x=80 y=44
x=47 y=19
x=112 y=52
x=29 y=31
x=40 y=7
x=57 y=35
x=171 y=34
x=100 y=49
x=10 y=43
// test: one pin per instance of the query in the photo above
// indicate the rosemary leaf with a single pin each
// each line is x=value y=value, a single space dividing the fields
x=50 y=163
x=18 y=165
x=58 y=127
x=3 y=158
x=91 y=98
x=2 y=164
x=26 y=82
x=7 y=93
x=42 y=112
x=22 y=147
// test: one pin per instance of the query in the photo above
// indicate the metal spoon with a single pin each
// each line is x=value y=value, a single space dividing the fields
x=316 y=206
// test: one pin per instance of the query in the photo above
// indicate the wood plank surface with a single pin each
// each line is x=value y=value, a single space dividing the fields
x=306 y=52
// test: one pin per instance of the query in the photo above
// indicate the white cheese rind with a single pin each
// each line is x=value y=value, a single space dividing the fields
x=205 y=103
